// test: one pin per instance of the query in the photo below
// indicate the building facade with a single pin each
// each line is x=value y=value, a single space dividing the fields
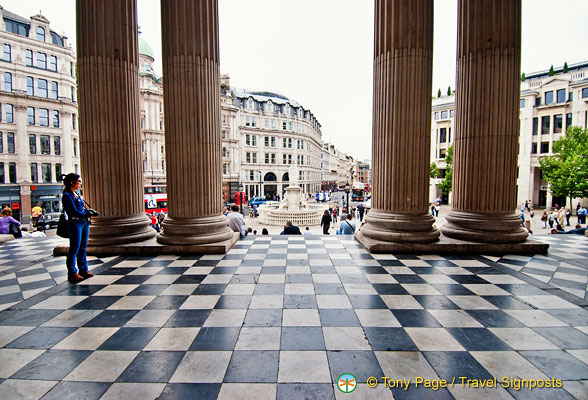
x=548 y=106
x=38 y=121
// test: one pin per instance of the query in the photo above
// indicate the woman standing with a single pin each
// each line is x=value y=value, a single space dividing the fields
x=78 y=228
x=6 y=219
x=326 y=222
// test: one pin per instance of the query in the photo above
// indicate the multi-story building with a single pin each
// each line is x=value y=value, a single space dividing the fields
x=329 y=167
x=38 y=114
x=549 y=104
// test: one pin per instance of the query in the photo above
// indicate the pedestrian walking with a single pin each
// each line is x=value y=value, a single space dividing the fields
x=551 y=219
x=437 y=208
x=544 y=219
x=334 y=214
x=326 y=222
x=568 y=214
x=347 y=226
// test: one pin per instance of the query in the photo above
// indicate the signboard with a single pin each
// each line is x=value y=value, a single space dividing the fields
x=33 y=188
x=15 y=206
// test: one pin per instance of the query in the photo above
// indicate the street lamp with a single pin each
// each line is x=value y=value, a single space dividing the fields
x=241 y=198
x=260 y=183
x=347 y=190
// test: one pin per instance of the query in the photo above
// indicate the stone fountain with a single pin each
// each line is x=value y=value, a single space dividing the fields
x=293 y=206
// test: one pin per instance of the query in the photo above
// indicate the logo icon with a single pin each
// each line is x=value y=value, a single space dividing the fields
x=346 y=383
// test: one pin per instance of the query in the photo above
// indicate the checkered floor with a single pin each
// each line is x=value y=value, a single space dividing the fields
x=284 y=317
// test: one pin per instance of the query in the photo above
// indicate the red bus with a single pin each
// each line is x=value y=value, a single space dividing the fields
x=155 y=197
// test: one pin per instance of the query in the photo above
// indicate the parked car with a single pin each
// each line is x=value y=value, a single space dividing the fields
x=48 y=220
x=257 y=201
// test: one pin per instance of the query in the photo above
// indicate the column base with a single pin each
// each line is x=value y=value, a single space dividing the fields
x=195 y=230
x=106 y=231
x=404 y=228
x=484 y=227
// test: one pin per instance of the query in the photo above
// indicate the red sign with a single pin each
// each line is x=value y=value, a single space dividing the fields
x=15 y=206
x=33 y=188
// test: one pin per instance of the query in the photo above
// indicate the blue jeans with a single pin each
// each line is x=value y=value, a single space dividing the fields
x=78 y=231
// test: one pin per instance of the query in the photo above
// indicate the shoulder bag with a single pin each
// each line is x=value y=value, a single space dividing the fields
x=14 y=230
x=62 y=225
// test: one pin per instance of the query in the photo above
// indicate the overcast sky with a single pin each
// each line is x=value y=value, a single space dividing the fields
x=320 y=52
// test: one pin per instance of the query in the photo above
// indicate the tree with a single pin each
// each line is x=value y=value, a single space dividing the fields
x=523 y=77
x=551 y=71
x=447 y=182
x=565 y=69
x=439 y=93
x=566 y=171
x=448 y=90
x=433 y=171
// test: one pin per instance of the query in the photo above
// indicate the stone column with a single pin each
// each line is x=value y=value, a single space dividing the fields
x=486 y=123
x=110 y=142
x=192 y=123
x=403 y=60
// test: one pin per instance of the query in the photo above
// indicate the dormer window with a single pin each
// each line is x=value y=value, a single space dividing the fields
x=269 y=107
x=287 y=109
x=40 y=33
x=250 y=104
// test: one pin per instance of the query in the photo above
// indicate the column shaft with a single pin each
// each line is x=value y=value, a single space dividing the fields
x=192 y=123
x=486 y=123
x=110 y=141
x=403 y=60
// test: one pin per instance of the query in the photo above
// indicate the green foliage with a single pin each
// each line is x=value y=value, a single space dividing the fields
x=447 y=182
x=567 y=170
x=433 y=171
x=448 y=90
x=565 y=68
x=523 y=77
x=439 y=93
x=551 y=71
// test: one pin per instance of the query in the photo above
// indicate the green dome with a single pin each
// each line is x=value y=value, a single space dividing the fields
x=144 y=48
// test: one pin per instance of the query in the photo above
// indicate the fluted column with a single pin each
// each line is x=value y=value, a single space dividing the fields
x=110 y=142
x=192 y=123
x=486 y=123
x=403 y=60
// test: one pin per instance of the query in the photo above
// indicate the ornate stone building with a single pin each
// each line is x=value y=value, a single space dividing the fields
x=38 y=114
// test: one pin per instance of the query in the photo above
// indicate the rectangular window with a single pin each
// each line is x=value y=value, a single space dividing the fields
x=73 y=94
x=561 y=96
x=55 y=119
x=444 y=114
x=7 y=82
x=284 y=125
x=74 y=119
x=34 y=173
x=248 y=157
x=535 y=126
x=247 y=121
x=9 y=113
x=571 y=96
x=251 y=175
x=284 y=159
x=53 y=63
x=273 y=124
x=10 y=142
x=522 y=103
x=451 y=113
x=57 y=146
x=585 y=93
x=545 y=125
x=289 y=126
x=54 y=90
x=289 y=143
x=42 y=86
x=289 y=158
x=71 y=71
x=284 y=142
x=266 y=123
x=1 y=144
x=248 y=140
x=12 y=172
x=1 y=172
x=42 y=60
x=442 y=153
x=254 y=158
x=40 y=33
x=443 y=135
x=32 y=144
x=253 y=122
x=46 y=171
x=45 y=145
x=57 y=170
x=557 y=123
x=436 y=115
x=548 y=98
x=28 y=58
x=30 y=86
x=7 y=53
x=568 y=120
x=534 y=148
x=75 y=147
x=273 y=141
x=537 y=101
x=266 y=141
x=544 y=147
x=43 y=117
x=253 y=140
x=267 y=158
x=273 y=158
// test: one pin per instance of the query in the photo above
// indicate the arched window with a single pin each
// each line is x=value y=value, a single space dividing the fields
x=285 y=177
x=40 y=33
x=270 y=177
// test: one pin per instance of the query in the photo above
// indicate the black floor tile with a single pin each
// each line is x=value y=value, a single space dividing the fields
x=423 y=270
x=436 y=302
x=300 y=301
x=47 y=283
x=253 y=366
x=133 y=279
x=391 y=263
x=389 y=339
x=96 y=303
x=117 y=271
x=213 y=338
x=173 y=271
x=20 y=274
x=557 y=364
x=572 y=316
x=81 y=290
x=111 y=318
x=360 y=301
x=53 y=365
x=305 y=391
x=206 y=263
x=338 y=317
x=223 y=271
x=302 y=338
x=495 y=319
x=522 y=289
x=451 y=289
x=8 y=282
x=540 y=394
x=152 y=366
x=189 y=279
x=450 y=364
x=478 y=339
x=389 y=288
x=41 y=338
x=273 y=270
x=363 y=364
x=233 y=301
x=187 y=318
x=77 y=390
x=181 y=391
x=127 y=339
x=11 y=298
x=373 y=270
x=415 y=318
x=507 y=303
x=567 y=338
x=408 y=278
x=264 y=317
x=421 y=393
x=148 y=290
x=216 y=288
x=166 y=302
x=468 y=279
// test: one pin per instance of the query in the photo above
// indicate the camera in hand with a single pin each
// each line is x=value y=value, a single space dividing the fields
x=92 y=213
